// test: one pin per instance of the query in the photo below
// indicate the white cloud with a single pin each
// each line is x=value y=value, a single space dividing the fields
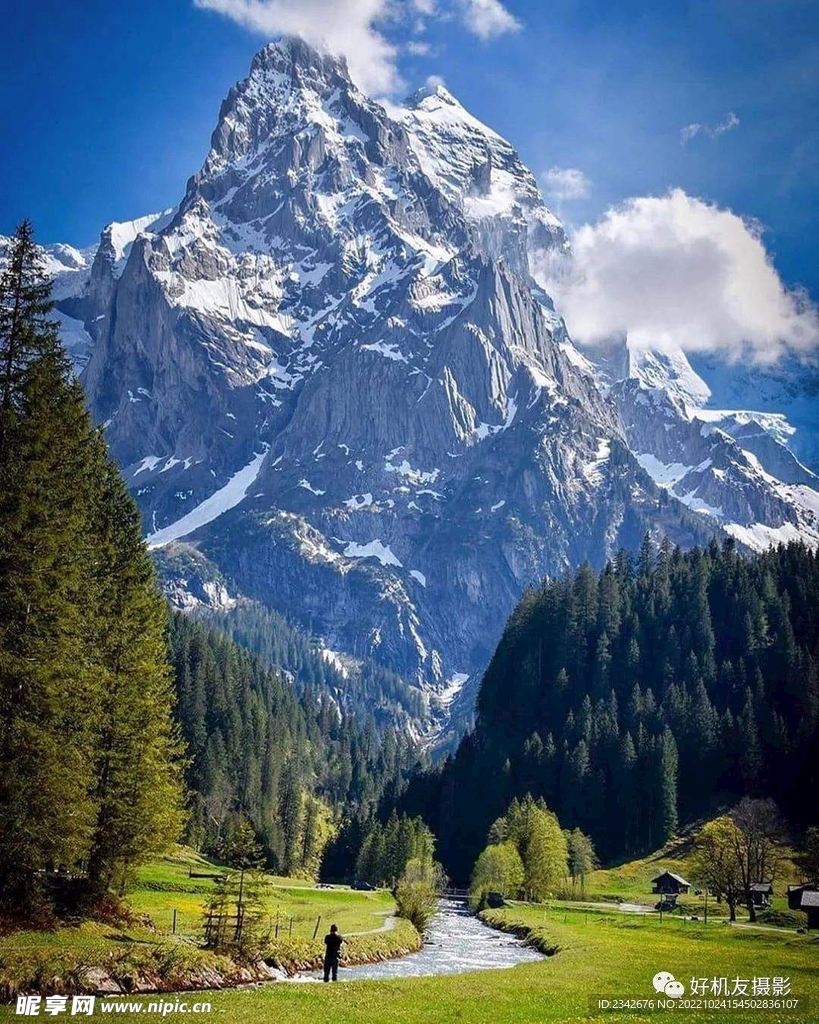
x=435 y=82
x=359 y=29
x=691 y=131
x=488 y=18
x=675 y=269
x=347 y=27
x=565 y=183
x=730 y=122
x=418 y=48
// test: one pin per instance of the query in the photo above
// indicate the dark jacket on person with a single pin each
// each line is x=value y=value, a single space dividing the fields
x=332 y=943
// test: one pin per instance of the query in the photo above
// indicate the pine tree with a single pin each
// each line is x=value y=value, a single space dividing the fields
x=139 y=791
x=235 y=910
x=668 y=769
x=26 y=333
x=88 y=774
x=47 y=687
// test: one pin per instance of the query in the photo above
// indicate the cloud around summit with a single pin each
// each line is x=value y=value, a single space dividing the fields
x=366 y=32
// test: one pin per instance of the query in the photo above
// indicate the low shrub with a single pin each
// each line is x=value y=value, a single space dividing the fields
x=780 y=918
x=417 y=902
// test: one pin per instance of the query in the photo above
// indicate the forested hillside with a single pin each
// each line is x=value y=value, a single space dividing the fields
x=642 y=696
x=358 y=685
x=293 y=764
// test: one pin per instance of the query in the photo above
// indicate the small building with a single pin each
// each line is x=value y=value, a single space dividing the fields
x=668 y=884
x=795 y=893
x=810 y=904
x=762 y=894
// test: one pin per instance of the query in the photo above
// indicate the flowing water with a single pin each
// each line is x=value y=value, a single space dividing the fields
x=456 y=942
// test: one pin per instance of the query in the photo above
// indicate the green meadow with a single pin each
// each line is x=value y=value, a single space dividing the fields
x=164 y=885
x=602 y=954
x=599 y=952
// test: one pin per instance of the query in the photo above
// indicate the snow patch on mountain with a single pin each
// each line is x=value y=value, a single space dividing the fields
x=121 y=235
x=78 y=342
x=217 y=504
x=375 y=549
x=760 y=537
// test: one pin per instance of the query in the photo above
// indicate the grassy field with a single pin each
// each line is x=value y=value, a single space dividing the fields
x=295 y=911
x=602 y=954
x=164 y=885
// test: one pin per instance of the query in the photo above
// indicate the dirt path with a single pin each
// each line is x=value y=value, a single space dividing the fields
x=387 y=926
x=639 y=909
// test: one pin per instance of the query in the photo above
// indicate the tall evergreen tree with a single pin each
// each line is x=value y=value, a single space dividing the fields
x=88 y=762
x=47 y=688
x=137 y=767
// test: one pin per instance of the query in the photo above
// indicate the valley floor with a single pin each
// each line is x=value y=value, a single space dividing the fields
x=603 y=954
x=597 y=951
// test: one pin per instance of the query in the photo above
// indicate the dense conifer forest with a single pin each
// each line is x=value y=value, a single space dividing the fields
x=293 y=765
x=359 y=685
x=641 y=697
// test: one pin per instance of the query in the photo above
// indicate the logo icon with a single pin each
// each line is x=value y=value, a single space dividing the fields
x=666 y=984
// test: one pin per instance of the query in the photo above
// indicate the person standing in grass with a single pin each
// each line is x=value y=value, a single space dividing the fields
x=332 y=949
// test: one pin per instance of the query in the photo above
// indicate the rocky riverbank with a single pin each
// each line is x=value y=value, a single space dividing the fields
x=536 y=939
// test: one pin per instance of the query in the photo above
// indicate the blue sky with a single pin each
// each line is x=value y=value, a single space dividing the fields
x=107 y=108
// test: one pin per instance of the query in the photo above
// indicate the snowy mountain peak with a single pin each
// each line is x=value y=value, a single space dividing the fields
x=432 y=97
x=295 y=56
x=291 y=87
x=478 y=169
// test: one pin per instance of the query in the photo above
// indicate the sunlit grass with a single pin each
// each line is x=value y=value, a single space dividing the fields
x=164 y=885
x=601 y=954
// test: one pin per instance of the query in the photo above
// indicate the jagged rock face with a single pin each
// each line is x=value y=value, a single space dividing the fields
x=330 y=371
x=786 y=395
x=731 y=467
x=481 y=172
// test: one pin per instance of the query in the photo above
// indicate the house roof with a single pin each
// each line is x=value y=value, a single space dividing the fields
x=670 y=874
x=761 y=887
x=810 y=899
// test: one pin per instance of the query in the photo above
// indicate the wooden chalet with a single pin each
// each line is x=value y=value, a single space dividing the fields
x=762 y=894
x=670 y=884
